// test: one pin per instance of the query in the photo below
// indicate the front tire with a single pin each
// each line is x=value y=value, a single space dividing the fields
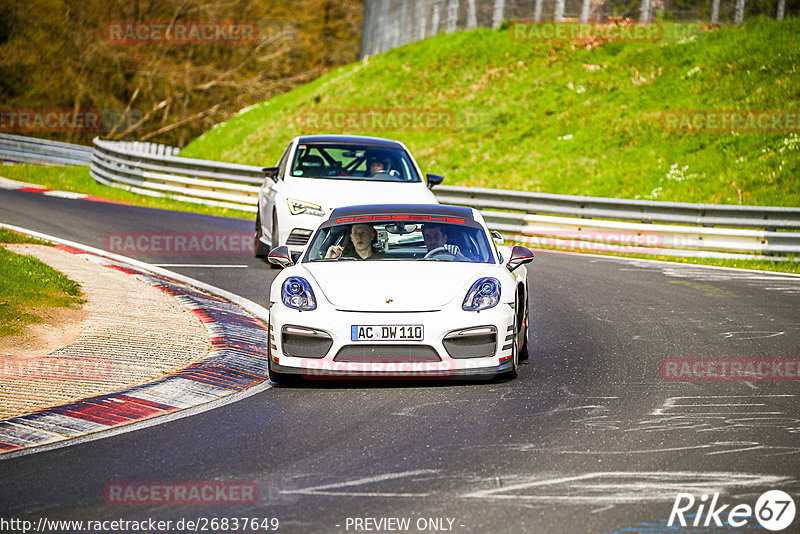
x=522 y=320
x=259 y=249
x=275 y=237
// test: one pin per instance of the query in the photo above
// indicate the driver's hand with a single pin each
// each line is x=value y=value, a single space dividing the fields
x=453 y=249
x=334 y=251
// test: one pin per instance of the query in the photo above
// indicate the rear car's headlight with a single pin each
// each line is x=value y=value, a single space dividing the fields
x=297 y=294
x=484 y=294
x=296 y=207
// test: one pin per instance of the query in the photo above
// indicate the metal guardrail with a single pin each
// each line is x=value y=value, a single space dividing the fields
x=638 y=238
x=541 y=219
x=646 y=211
x=19 y=149
x=158 y=172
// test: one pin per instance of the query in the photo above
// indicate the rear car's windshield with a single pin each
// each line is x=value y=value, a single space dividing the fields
x=353 y=162
x=392 y=241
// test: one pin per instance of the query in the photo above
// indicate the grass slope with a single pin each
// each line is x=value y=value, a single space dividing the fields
x=561 y=118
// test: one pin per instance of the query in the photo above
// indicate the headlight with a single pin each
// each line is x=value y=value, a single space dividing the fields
x=484 y=294
x=297 y=294
x=296 y=207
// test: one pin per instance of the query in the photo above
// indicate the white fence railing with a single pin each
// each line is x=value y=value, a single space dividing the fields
x=387 y=24
x=541 y=219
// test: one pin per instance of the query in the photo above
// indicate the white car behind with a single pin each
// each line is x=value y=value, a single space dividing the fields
x=318 y=173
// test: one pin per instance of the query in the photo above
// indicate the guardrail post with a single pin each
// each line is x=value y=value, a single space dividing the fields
x=739 y=12
x=587 y=4
x=472 y=19
x=452 y=16
x=498 y=13
x=645 y=12
x=559 y=13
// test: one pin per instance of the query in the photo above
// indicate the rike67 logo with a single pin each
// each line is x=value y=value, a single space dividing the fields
x=774 y=510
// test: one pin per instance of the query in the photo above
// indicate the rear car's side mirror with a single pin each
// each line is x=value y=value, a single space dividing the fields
x=499 y=239
x=280 y=256
x=519 y=256
x=434 y=180
x=270 y=172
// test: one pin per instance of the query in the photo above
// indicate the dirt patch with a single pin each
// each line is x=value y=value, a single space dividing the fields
x=60 y=327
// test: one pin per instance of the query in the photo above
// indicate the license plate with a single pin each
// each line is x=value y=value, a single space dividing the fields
x=391 y=332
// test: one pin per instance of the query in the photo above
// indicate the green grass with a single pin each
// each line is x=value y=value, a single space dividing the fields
x=9 y=236
x=560 y=118
x=28 y=287
x=77 y=179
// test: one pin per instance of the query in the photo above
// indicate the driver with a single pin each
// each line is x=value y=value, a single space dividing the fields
x=359 y=246
x=435 y=236
x=375 y=165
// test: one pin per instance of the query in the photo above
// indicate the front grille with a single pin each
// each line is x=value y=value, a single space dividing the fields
x=462 y=344
x=311 y=344
x=387 y=353
x=298 y=237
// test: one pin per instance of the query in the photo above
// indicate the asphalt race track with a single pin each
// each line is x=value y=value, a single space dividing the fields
x=589 y=438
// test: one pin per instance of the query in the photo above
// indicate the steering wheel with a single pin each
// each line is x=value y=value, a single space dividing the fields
x=443 y=250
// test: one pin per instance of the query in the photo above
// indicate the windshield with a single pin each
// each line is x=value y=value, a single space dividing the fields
x=400 y=241
x=353 y=162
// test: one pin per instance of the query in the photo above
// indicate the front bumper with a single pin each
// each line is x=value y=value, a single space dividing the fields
x=429 y=358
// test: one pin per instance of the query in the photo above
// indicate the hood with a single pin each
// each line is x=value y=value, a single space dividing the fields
x=410 y=285
x=336 y=193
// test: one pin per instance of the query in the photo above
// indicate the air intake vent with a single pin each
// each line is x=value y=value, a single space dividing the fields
x=305 y=342
x=472 y=343
x=387 y=353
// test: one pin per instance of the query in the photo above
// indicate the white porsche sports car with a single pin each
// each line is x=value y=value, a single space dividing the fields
x=317 y=173
x=401 y=290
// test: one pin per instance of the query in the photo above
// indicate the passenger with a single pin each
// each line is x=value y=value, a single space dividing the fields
x=360 y=245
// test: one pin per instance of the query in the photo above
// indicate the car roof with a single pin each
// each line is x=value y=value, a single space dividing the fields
x=426 y=209
x=362 y=140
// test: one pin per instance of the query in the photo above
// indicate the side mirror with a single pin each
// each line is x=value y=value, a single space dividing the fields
x=280 y=256
x=519 y=256
x=270 y=172
x=434 y=180
x=497 y=237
